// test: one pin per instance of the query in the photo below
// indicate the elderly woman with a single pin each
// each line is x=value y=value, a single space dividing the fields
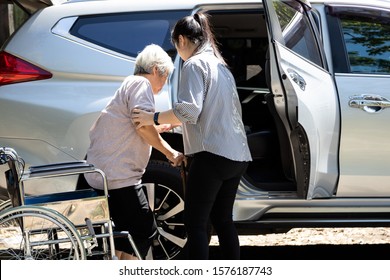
x=123 y=152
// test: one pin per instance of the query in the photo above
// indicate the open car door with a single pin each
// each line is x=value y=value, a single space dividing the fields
x=304 y=95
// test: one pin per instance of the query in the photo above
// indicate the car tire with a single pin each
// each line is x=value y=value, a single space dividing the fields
x=165 y=191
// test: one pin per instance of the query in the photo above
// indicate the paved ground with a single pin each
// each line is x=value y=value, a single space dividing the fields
x=315 y=244
x=312 y=252
x=312 y=236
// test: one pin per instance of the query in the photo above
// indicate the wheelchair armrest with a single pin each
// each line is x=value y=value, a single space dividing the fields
x=58 y=166
x=75 y=167
x=62 y=169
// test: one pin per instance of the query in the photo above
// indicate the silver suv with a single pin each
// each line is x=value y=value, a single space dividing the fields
x=313 y=79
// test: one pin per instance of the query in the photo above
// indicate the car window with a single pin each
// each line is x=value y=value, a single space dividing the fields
x=128 y=33
x=360 y=39
x=368 y=45
x=296 y=30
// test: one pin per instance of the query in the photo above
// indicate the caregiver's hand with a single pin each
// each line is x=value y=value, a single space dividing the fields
x=142 y=118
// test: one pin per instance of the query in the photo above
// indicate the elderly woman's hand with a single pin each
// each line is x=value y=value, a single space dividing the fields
x=142 y=118
x=177 y=159
x=164 y=128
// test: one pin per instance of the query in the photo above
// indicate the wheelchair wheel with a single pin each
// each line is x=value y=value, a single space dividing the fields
x=37 y=233
x=5 y=204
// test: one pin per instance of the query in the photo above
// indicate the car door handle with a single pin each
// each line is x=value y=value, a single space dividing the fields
x=369 y=103
x=298 y=79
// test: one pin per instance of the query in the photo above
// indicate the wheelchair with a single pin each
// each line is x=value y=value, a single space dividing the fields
x=72 y=225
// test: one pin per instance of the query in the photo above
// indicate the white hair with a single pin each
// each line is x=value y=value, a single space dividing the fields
x=153 y=56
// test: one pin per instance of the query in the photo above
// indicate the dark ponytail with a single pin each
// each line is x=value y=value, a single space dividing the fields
x=197 y=29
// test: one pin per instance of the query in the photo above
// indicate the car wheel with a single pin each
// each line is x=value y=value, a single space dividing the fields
x=165 y=193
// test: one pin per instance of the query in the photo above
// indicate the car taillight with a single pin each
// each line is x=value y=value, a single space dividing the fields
x=16 y=70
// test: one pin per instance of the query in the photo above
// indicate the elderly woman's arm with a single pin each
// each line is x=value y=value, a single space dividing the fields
x=153 y=138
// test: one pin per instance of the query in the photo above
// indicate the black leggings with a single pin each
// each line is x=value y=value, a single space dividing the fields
x=130 y=211
x=211 y=190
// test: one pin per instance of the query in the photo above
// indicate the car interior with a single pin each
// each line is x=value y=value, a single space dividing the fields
x=243 y=42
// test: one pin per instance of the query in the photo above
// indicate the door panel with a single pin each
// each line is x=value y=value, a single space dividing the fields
x=364 y=147
x=360 y=50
